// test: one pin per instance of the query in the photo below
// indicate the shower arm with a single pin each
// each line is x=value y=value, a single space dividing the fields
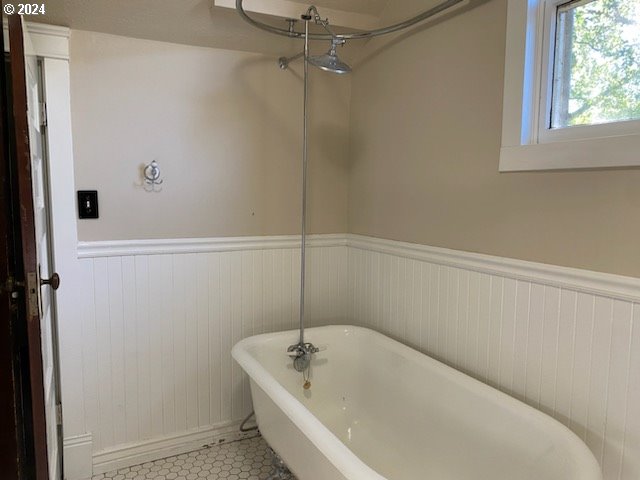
x=292 y=33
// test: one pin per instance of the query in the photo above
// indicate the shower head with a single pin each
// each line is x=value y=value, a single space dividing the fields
x=329 y=62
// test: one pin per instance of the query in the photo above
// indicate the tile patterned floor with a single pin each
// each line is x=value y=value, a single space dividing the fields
x=243 y=460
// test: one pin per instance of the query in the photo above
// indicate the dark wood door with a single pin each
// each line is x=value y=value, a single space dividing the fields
x=31 y=227
x=12 y=450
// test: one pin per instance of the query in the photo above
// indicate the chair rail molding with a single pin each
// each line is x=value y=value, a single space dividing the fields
x=597 y=283
x=202 y=245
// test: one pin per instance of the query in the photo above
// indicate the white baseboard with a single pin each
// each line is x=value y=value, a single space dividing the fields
x=78 y=464
x=167 y=446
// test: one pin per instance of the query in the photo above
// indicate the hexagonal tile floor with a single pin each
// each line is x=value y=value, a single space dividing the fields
x=243 y=460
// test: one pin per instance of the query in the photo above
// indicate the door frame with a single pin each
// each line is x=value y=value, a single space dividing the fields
x=51 y=45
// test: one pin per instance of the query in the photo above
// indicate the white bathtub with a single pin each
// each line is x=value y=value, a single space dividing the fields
x=380 y=410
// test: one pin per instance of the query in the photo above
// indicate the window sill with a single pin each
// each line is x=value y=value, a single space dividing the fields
x=604 y=152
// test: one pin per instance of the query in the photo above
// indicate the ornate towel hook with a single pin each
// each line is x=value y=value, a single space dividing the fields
x=152 y=177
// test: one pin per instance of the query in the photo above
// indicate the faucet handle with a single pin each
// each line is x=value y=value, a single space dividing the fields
x=295 y=351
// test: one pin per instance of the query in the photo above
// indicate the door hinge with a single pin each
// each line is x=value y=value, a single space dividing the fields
x=59 y=414
x=43 y=114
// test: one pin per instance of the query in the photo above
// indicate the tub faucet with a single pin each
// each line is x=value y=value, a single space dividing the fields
x=301 y=355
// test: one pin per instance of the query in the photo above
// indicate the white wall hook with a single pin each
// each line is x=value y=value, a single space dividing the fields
x=152 y=181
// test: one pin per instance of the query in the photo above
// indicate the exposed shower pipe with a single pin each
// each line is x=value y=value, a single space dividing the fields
x=305 y=157
x=292 y=33
x=302 y=352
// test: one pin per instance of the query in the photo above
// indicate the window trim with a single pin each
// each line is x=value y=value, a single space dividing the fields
x=526 y=142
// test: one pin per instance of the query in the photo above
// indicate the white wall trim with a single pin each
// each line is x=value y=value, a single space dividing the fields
x=124 y=248
x=77 y=456
x=162 y=447
x=49 y=41
x=51 y=30
x=605 y=284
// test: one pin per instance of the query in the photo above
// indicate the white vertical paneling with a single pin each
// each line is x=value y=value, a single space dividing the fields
x=203 y=342
x=88 y=313
x=158 y=330
x=566 y=347
x=462 y=337
x=178 y=317
x=215 y=338
x=583 y=339
x=474 y=322
x=572 y=354
x=168 y=325
x=236 y=334
x=425 y=277
x=599 y=375
x=631 y=439
x=508 y=334
x=549 y=348
x=276 y=282
x=226 y=387
x=191 y=340
x=130 y=348
x=287 y=280
x=534 y=345
x=496 y=303
x=104 y=434
x=416 y=288
x=452 y=319
x=267 y=295
x=617 y=402
x=521 y=331
x=392 y=319
x=486 y=288
x=143 y=346
x=116 y=324
x=442 y=315
x=155 y=332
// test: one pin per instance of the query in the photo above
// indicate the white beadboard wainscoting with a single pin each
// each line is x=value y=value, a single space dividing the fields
x=158 y=320
x=565 y=341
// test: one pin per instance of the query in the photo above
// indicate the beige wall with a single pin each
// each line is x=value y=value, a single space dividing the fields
x=424 y=133
x=225 y=127
x=425 y=140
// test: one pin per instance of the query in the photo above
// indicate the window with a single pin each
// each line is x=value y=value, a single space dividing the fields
x=572 y=84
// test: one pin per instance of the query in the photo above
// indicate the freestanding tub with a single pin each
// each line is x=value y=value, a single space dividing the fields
x=378 y=409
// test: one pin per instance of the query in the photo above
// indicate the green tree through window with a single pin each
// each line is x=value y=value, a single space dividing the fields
x=597 y=63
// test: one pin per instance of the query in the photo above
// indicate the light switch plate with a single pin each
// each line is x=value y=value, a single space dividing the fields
x=87 y=204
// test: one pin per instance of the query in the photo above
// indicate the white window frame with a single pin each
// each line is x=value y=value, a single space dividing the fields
x=527 y=142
